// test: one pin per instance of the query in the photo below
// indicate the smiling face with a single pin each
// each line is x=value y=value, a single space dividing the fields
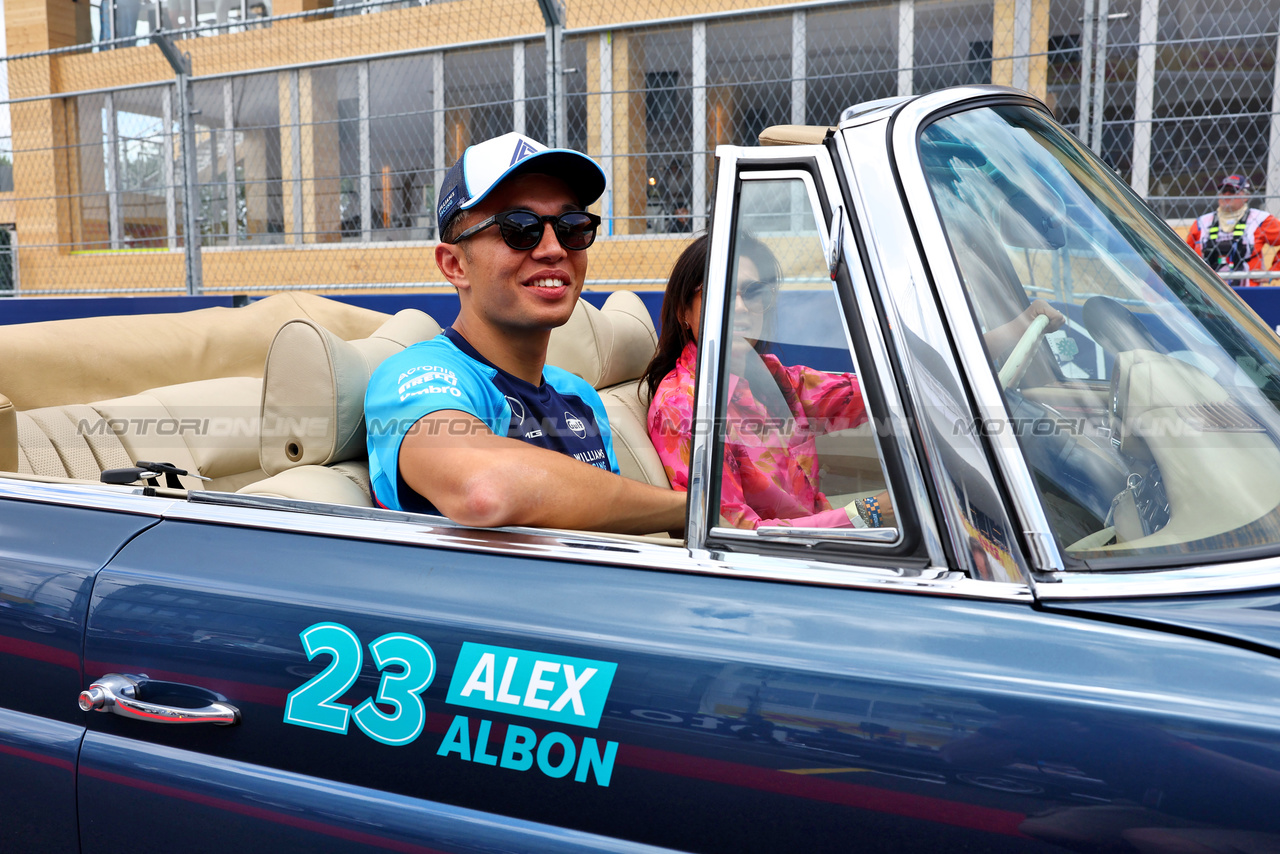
x=509 y=293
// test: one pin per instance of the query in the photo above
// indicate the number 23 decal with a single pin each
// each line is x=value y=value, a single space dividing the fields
x=313 y=704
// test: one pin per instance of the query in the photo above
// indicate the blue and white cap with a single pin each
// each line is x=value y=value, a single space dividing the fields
x=487 y=164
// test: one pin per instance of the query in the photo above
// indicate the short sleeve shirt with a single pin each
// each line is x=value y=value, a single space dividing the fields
x=563 y=413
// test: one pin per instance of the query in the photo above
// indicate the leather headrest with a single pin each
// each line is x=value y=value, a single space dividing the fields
x=313 y=389
x=605 y=346
x=56 y=362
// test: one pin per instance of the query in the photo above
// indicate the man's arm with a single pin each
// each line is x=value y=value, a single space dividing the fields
x=478 y=478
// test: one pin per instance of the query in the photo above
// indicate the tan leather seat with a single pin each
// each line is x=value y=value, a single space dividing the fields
x=317 y=382
x=56 y=362
x=313 y=389
x=628 y=407
x=343 y=483
x=209 y=427
x=610 y=348
x=312 y=442
x=204 y=419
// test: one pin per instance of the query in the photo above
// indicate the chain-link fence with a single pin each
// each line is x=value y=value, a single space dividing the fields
x=305 y=149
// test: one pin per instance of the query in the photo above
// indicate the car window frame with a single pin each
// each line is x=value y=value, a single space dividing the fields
x=916 y=543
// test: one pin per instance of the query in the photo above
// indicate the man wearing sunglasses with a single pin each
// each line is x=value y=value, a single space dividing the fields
x=473 y=424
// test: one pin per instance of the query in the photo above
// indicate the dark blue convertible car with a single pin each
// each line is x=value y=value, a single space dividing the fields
x=1063 y=638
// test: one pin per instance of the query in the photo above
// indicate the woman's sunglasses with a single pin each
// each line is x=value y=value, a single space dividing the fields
x=522 y=230
x=759 y=295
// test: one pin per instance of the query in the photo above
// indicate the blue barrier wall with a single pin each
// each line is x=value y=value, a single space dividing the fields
x=441 y=306
x=31 y=309
x=1265 y=301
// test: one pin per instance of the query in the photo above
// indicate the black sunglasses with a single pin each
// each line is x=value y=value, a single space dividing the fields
x=522 y=230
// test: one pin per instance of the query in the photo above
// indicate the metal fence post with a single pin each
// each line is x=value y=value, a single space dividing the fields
x=111 y=174
x=557 y=126
x=1086 y=69
x=366 y=157
x=181 y=63
x=698 y=174
x=517 y=88
x=170 y=176
x=1099 y=74
x=229 y=151
x=1144 y=97
x=1273 y=148
x=906 y=46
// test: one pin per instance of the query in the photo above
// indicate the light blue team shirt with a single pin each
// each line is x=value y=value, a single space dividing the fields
x=564 y=413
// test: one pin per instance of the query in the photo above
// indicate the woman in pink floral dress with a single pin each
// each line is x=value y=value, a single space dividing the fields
x=774 y=414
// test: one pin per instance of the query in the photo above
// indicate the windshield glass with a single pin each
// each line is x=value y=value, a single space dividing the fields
x=1143 y=392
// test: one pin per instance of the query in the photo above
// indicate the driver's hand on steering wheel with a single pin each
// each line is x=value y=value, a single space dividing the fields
x=1001 y=340
x=1040 y=308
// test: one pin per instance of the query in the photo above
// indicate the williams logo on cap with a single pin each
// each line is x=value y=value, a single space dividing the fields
x=523 y=150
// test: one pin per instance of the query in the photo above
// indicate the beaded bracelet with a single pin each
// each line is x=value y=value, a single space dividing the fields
x=873 y=511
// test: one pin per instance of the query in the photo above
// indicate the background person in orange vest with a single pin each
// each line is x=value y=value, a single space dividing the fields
x=1231 y=238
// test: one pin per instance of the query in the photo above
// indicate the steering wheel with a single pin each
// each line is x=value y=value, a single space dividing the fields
x=1016 y=365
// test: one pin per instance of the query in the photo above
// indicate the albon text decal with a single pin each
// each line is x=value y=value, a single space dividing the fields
x=556 y=688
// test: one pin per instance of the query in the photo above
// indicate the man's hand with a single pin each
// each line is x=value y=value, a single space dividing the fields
x=1001 y=340
x=478 y=478
x=1040 y=308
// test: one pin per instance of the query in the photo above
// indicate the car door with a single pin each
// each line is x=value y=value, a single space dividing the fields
x=50 y=550
x=747 y=700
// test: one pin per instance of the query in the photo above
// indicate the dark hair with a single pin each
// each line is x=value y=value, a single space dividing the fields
x=686 y=278
x=453 y=228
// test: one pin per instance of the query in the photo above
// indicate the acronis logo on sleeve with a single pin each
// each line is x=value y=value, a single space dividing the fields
x=554 y=688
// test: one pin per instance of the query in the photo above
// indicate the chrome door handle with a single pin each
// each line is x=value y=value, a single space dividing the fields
x=118 y=693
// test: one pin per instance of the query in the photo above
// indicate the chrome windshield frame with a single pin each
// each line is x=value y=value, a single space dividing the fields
x=917 y=333
x=707 y=384
x=1043 y=552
